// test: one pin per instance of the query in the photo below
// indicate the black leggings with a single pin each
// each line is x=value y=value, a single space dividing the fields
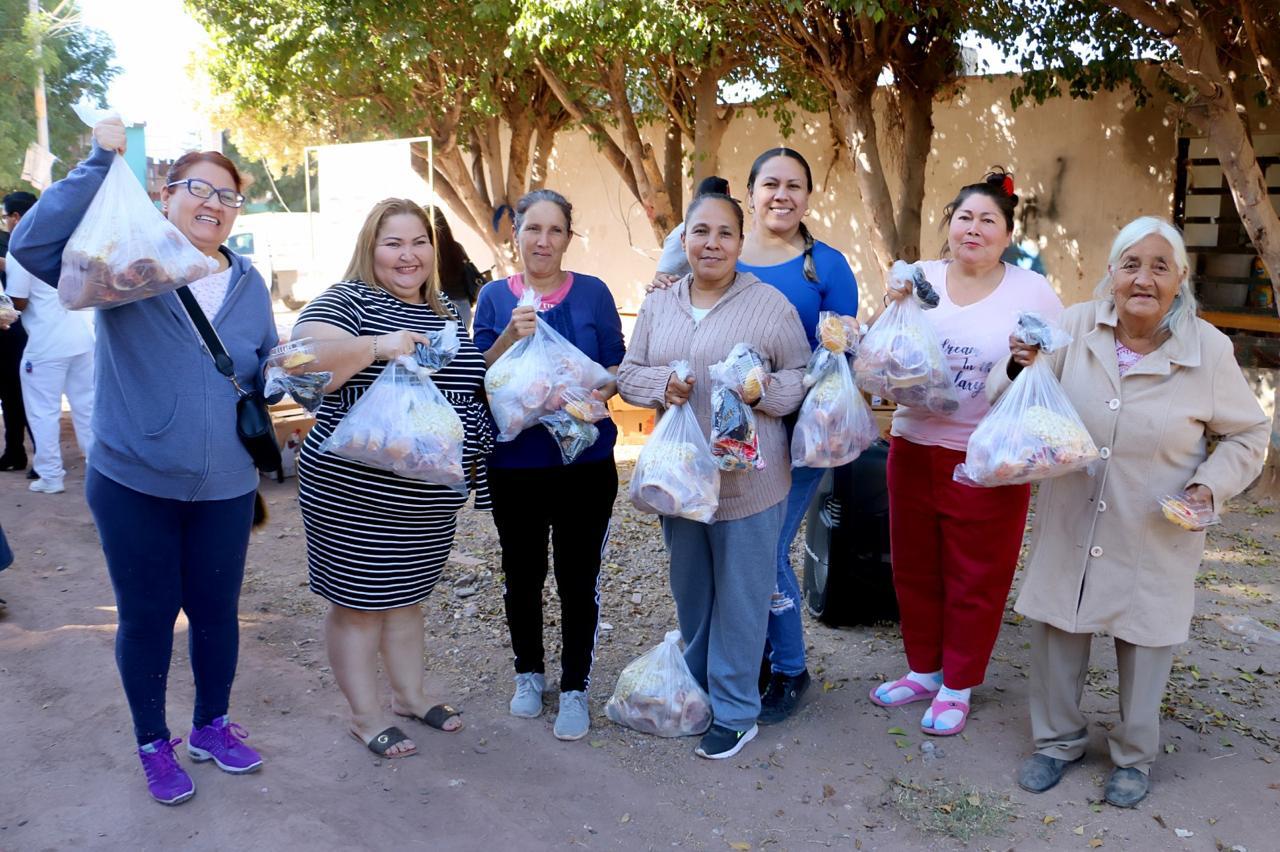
x=165 y=555
x=574 y=505
x=12 y=342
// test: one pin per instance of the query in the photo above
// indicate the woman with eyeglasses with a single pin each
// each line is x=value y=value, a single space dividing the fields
x=171 y=488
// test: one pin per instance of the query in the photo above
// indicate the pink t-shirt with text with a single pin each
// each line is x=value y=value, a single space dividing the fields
x=974 y=337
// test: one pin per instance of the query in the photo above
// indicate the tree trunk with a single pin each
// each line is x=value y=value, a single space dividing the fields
x=456 y=183
x=857 y=120
x=673 y=166
x=710 y=121
x=917 y=140
x=653 y=191
x=518 y=157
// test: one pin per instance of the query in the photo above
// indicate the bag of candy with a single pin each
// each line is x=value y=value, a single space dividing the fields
x=835 y=423
x=675 y=474
x=736 y=382
x=900 y=358
x=402 y=423
x=1033 y=432
x=657 y=694
x=289 y=371
x=527 y=380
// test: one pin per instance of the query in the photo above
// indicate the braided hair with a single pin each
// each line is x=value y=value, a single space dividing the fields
x=810 y=269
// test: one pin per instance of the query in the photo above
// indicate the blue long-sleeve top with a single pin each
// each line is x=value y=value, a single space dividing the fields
x=164 y=418
x=587 y=318
x=835 y=290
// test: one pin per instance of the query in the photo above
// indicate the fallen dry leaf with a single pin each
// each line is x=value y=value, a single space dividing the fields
x=1050 y=820
x=740 y=844
x=828 y=791
x=1079 y=829
x=1095 y=843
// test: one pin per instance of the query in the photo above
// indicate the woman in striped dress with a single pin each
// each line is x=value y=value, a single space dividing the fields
x=376 y=541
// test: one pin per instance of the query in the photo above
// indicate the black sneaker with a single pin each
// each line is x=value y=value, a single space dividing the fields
x=720 y=742
x=782 y=697
x=31 y=474
x=13 y=462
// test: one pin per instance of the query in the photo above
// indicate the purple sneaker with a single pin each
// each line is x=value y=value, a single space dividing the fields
x=220 y=741
x=168 y=782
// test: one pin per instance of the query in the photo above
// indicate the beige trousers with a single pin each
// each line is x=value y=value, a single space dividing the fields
x=1059 y=663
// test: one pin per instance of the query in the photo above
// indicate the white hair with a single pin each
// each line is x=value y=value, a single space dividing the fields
x=1184 y=303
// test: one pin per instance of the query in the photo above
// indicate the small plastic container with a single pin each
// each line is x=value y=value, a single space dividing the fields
x=8 y=313
x=294 y=357
x=1190 y=516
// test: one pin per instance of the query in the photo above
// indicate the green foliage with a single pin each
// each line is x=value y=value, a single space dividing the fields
x=77 y=64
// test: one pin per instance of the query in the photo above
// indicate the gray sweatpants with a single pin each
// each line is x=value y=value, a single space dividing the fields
x=722 y=578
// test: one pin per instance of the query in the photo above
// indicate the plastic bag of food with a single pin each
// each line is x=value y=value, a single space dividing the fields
x=657 y=694
x=8 y=313
x=1033 y=432
x=1189 y=514
x=675 y=474
x=835 y=423
x=402 y=423
x=837 y=333
x=289 y=371
x=123 y=249
x=527 y=380
x=736 y=382
x=442 y=349
x=900 y=358
x=584 y=405
x=572 y=435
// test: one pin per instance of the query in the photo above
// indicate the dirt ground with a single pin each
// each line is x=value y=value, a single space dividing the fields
x=842 y=773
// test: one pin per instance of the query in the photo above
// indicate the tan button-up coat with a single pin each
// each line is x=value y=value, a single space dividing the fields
x=1103 y=557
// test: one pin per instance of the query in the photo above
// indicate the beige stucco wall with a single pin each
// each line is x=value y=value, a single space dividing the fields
x=1083 y=168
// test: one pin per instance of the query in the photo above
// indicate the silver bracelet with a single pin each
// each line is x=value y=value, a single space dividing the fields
x=375 y=349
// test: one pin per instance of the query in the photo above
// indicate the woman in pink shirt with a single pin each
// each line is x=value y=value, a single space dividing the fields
x=955 y=547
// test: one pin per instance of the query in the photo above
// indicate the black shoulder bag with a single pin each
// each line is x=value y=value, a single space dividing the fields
x=253 y=421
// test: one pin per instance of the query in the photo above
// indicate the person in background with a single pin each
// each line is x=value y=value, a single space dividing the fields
x=536 y=495
x=1156 y=387
x=955 y=547
x=13 y=340
x=672 y=264
x=460 y=281
x=171 y=487
x=57 y=360
x=377 y=541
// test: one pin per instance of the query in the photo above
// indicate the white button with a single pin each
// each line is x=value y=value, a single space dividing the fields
x=1095 y=551
x=1105 y=452
x=1102 y=505
x=1113 y=404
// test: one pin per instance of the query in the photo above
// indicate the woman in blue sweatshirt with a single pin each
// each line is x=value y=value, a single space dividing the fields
x=534 y=492
x=170 y=486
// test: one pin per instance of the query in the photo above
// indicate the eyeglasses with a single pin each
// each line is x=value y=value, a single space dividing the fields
x=203 y=189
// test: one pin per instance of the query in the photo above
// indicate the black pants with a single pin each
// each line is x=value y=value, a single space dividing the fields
x=12 y=342
x=572 y=504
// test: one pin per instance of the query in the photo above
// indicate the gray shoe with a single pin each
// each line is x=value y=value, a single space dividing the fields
x=1127 y=786
x=1040 y=772
x=574 y=718
x=527 y=702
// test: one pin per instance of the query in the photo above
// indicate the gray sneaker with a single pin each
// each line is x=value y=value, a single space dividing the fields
x=573 y=720
x=527 y=702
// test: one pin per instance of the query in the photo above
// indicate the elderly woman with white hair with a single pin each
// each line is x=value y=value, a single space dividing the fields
x=1152 y=382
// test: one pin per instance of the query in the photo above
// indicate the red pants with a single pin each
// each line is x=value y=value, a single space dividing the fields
x=955 y=549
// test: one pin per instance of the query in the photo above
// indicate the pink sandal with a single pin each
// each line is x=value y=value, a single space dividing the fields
x=918 y=693
x=939 y=707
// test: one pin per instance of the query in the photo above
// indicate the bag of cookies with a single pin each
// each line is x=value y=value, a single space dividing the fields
x=675 y=474
x=657 y=694
x=403 y=424
x=528 y=380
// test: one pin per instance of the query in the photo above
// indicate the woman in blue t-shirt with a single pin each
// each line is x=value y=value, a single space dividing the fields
x=534 y=493
x=814 y=277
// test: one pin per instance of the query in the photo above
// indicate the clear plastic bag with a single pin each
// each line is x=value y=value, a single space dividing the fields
x=572 y=435
x=837 y=333
x=528 y=380
x=442 y=349
x=1032 y=432
x=123 y=249
x=1188 y=514
x=737 y=381
x=835 y=423
x=8 y=313
x=288 y=371
x=675 y=474
x=584 y=405
x=657 y=694
x=900 y=358
x=402 y=423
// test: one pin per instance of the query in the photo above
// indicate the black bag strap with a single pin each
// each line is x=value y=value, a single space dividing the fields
x=212 y=343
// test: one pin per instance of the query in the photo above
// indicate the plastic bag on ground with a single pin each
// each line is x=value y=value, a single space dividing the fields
x=123 y=249
x=289 y=371
x=1032 y=433
x=675 y=474
x=900 y=358
x=527 y=381
x=835 y=423
x=402 y=423
x=736 y=382
x=657 y=694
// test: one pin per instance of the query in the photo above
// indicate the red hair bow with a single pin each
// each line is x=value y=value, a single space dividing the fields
x=1007 y=186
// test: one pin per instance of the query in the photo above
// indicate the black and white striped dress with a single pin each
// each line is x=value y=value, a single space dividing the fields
x=376 y=540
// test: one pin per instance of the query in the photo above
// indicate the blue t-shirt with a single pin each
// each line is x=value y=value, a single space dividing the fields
x=587 y=318
x=836 y=289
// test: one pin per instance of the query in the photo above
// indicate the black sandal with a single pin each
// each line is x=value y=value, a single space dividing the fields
x=385 y=741
x=437 y=716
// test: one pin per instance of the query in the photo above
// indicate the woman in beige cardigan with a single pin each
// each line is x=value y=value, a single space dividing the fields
x=1152 y=383
x=723 y=572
